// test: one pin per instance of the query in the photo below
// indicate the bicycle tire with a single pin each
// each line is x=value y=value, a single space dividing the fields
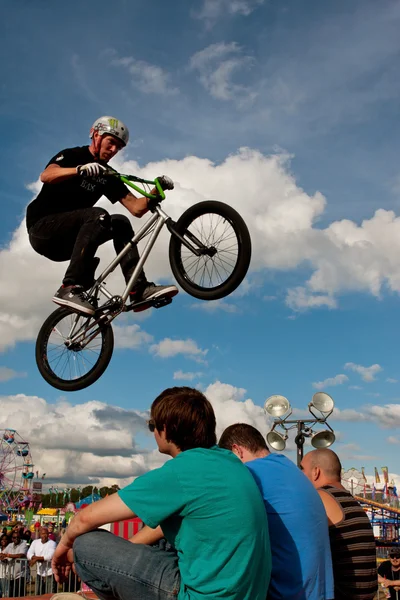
x=42 y=351
x=194 y=283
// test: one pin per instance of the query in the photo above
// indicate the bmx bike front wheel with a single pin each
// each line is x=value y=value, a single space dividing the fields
x=219 y=228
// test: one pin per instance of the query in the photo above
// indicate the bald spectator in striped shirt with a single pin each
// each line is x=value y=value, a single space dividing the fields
x=350 y=531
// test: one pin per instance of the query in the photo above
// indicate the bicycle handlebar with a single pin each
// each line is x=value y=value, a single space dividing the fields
x=161 y=183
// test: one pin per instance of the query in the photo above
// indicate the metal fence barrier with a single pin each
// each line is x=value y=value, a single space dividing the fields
x=18 y=579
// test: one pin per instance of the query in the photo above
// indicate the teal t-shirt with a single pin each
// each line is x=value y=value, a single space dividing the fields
x=211 y=511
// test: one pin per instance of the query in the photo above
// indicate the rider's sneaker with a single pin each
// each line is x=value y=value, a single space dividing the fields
x=74 y=297
x=151 y=292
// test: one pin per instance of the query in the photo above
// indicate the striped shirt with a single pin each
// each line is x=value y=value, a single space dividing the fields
x=353 y=550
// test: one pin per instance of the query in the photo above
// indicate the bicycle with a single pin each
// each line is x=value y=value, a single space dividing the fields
x=209 y=254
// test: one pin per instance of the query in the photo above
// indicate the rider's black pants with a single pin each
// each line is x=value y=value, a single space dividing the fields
x=76 y=235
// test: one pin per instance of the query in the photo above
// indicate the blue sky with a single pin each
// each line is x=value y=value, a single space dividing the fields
x=312 y=90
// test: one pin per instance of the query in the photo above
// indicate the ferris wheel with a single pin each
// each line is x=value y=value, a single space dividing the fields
x=353 y=481
x=16 y=471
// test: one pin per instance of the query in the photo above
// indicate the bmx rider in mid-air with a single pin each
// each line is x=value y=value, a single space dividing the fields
x=63 y=223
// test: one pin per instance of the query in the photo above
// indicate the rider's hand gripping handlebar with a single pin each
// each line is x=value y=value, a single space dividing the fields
x=157 y=193
x=165 y=182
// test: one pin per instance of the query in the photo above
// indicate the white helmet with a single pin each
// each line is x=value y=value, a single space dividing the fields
x=111 y=126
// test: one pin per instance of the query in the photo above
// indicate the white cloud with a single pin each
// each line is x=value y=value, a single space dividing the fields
x=212 y=10
x=168 y=347
x=391 y=380
x=393 y=440
x=187 y=376
x=216 y=65
x=231 y=406
x=351 y=452
x=131 y=336
x=355 y=387
x=387 y=416
x=101 y=447
x=349 y=414
x=215 y=305
x=366 y=373
x=6 y=374
x=353 y=258
x=337 y=380
x=300 y=298
x=148 y=78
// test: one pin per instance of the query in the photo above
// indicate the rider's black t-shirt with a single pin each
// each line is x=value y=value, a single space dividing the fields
x=76 y=192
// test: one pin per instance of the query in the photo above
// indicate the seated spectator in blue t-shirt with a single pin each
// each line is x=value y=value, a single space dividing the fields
x=298 y=527
x=194 y=501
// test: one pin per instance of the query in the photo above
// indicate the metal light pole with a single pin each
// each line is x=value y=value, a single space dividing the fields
x=279 y=407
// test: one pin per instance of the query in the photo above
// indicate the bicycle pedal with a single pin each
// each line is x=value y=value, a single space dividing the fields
x=163 y=301
x=146 y=304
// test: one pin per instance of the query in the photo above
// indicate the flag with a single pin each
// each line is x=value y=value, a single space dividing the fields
x=384 y=492
x=37 y=474
x=385 y=472
x=395 y=491
x=373 y=492
x=377 y=478
x=363 y=474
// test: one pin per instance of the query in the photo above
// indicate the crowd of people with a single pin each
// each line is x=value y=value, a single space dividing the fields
x=240 y=523
x=25 y=558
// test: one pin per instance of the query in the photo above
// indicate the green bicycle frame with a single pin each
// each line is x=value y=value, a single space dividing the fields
x=129 y=182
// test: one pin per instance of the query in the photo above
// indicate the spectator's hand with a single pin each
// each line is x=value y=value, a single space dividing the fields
x=32 y=561
x=91 y=169
x=62 y=562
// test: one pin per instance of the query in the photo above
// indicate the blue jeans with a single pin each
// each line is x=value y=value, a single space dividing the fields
x=116 y=568
x=3 y=588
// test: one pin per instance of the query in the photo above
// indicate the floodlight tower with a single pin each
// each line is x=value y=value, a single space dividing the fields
x=280 y=409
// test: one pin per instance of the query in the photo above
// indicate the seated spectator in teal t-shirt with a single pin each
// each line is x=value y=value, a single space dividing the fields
x=298 y=527
x=205 y=503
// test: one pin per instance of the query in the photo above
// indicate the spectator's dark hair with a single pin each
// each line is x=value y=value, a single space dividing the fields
x=27 y=535
x=4 y=536
x=244 y=435
x=187 y=416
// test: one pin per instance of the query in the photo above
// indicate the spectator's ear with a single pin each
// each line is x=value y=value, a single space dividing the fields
x=238 y=450
x=316 y=473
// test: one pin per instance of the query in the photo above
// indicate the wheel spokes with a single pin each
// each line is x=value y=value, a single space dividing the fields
x=214 y=231
x=70 y=361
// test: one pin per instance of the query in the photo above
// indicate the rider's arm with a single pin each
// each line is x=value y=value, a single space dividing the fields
x=147 y=536
x=54 y=173
x=136 y=206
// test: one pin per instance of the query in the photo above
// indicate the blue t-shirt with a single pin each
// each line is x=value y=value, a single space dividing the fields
x=211 y=511
x=298 y=529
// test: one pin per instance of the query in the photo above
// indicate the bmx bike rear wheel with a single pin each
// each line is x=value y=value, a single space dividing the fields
x=73 y=361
